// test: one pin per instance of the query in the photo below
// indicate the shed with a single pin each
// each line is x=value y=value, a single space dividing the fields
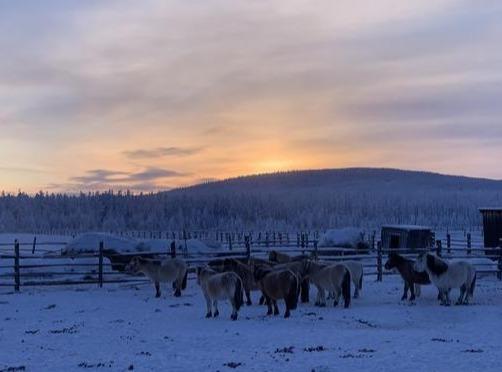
x=492 y=226
x=407 y=237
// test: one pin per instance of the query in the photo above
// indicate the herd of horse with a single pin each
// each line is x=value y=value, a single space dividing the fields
x=287 y=278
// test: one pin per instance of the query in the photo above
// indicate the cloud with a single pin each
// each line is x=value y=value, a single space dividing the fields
x=101 y=177
x=161 y=152
x=302 y=81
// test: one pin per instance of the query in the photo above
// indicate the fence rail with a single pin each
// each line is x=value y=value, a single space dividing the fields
x=18 y=268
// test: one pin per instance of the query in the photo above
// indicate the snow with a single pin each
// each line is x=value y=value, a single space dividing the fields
x=89 y=243
x=75 y=328
x=346 y=237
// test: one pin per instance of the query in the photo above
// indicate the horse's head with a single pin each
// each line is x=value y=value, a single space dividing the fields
x=391 y=261
x=199 y=271
x=421 y=262
x=229 y=264
x=260 y=271
x=134 y=265
x=272 y=256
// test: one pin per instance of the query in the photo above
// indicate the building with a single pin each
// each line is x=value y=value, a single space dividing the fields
x=407 y=237
x=492 y=227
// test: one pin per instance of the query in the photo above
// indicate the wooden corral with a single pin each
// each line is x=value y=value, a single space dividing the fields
x=407 y=237
x=492 y=227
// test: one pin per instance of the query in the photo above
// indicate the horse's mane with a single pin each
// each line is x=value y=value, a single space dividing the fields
x=436 y=265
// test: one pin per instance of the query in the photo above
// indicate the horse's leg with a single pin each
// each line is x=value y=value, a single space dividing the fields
x=209 y=313
x=215 y=307
x=276 y=308
x=447 y=296
x=157 y=289
x=412 y=291
x=418 y=290
x=177 y=291
x=318 y=297
x=248 y=297
x=305 y=286
x=262 y=300
x=322 y=297
x=269 y=305
x=356 y=292
x=234 y=310
x=405 y=292
x=463 y=290
x=287 y=313
x=338 y=293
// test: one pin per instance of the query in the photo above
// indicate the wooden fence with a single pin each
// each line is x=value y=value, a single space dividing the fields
x=29 y=264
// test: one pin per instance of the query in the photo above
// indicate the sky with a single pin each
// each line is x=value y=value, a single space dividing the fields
x=150 y=95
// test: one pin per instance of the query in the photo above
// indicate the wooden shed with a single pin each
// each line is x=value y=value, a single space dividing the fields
x=407 y=237
x=492 y=226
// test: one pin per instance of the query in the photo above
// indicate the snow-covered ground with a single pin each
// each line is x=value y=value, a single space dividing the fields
x=122 y=327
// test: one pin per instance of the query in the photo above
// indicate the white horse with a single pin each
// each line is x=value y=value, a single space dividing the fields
x=333 y=279
x=169 y=270
x=447 y=275
x=220 y=286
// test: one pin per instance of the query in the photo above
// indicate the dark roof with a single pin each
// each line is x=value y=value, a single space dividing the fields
x=407 y=227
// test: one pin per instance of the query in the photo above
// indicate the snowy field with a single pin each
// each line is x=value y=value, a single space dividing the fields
x=123 y=327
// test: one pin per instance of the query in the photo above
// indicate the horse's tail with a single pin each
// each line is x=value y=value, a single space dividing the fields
x=238 y=294
x=346 y=288
x=472 y=286
x=292 y=296
x=185 y=279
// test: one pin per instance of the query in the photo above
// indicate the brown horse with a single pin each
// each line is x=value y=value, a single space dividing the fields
x=412 y=279
x=283 y=258
x=298 y=265
x=245 y=272
x=276 y=285
x=170 y=270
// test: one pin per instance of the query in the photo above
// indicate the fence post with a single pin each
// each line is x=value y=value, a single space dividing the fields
x=499 y=273
x=316 y=252
x=34 y=245
x=439 y=247
x=448 y=243
x=17 y=274
x=469 y=243
x=247 y=240
x=379 y=263
x=100 y=265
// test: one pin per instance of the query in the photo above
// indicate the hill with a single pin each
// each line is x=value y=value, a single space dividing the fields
x=311 y=199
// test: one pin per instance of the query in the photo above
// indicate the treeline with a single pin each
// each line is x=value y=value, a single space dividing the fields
x=293 y=210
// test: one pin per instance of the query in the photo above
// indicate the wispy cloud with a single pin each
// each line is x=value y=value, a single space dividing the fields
x=111 y=177
x=160 y=152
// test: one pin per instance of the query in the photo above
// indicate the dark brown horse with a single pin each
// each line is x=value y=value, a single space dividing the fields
x=407 y=271
x=295 y=263
x=276 y=285
x=245 y=272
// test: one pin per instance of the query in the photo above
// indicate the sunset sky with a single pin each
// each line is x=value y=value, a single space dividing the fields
x=151 y=95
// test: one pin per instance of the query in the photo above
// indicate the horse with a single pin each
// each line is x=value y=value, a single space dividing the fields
x=334 y=278
x=447 y=275
x=276 y=285
x=245 y=272
x=170 y=270
x=220 y=286
x=279 y=257
x=412 y=278
x=298 y=265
